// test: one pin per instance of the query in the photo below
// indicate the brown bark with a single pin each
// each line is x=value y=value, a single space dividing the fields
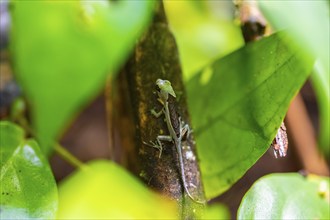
x=155 y=56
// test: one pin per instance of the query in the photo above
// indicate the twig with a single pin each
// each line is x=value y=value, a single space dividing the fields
x=303 y=136
x=67 y=156
x=64 y=153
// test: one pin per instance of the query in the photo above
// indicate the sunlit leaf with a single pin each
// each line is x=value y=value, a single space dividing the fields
x=28 y=188
x=106 y=191
x=308 y=23
x=238 y=103
x=63 y=51
x=202 y=35
x=287 y=196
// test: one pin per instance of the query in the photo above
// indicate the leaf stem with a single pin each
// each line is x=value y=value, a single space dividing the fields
x=62 y=152
x=66 y=155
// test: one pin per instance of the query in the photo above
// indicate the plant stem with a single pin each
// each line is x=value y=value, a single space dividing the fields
x=67 y=156
x=64 y=153
x=303 y=135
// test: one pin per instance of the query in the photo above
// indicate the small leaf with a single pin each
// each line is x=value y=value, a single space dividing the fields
x=287 y=196
x=63 y=51
x=106 y=191
x=28 y=188
x=238 y=103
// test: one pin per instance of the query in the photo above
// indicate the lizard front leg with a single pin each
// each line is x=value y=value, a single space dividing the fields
x=157 y=114
x=185 y=130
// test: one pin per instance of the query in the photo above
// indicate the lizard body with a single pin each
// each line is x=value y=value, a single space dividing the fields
x=178 y=130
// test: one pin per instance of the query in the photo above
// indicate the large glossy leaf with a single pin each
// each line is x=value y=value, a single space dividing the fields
x=287 y=196
x=63 y=50
x=28 y=188
x=106 y=191
x=238 y=103
x=308 y=23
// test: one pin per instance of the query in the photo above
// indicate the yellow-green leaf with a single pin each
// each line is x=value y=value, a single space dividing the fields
x=63 y=51
x=106 y=191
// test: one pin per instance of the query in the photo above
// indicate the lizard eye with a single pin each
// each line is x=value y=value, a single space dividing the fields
x=160 y=84
x=157 y=88
x=164 y=86
x=163 y=83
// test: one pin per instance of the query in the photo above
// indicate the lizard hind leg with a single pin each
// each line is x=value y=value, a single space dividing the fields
x=158 y=143
x=155 y=144
x=185 y=130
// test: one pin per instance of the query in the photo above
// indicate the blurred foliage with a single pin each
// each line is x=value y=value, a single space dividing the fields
x=63 y=51
x=238 y=103
x=216 y=211
x=308 y=23
x=106 y=191
x=287 y=196
x=28 y=188
x=202 y=35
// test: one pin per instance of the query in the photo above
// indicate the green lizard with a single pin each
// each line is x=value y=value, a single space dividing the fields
x=177 y=129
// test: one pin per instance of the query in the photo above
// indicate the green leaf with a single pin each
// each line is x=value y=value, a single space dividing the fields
x=308 y=23
x=28 y=188
x=63 y=51
x=287 y=196
x=216 y=211
x=238 y=103
x=321 y=86
x=203 y=35
x=106 y=191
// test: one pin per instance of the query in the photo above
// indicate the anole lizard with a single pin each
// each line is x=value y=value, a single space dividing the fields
x=177 y=129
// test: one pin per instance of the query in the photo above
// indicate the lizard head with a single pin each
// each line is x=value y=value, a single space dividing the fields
x=165 y=88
